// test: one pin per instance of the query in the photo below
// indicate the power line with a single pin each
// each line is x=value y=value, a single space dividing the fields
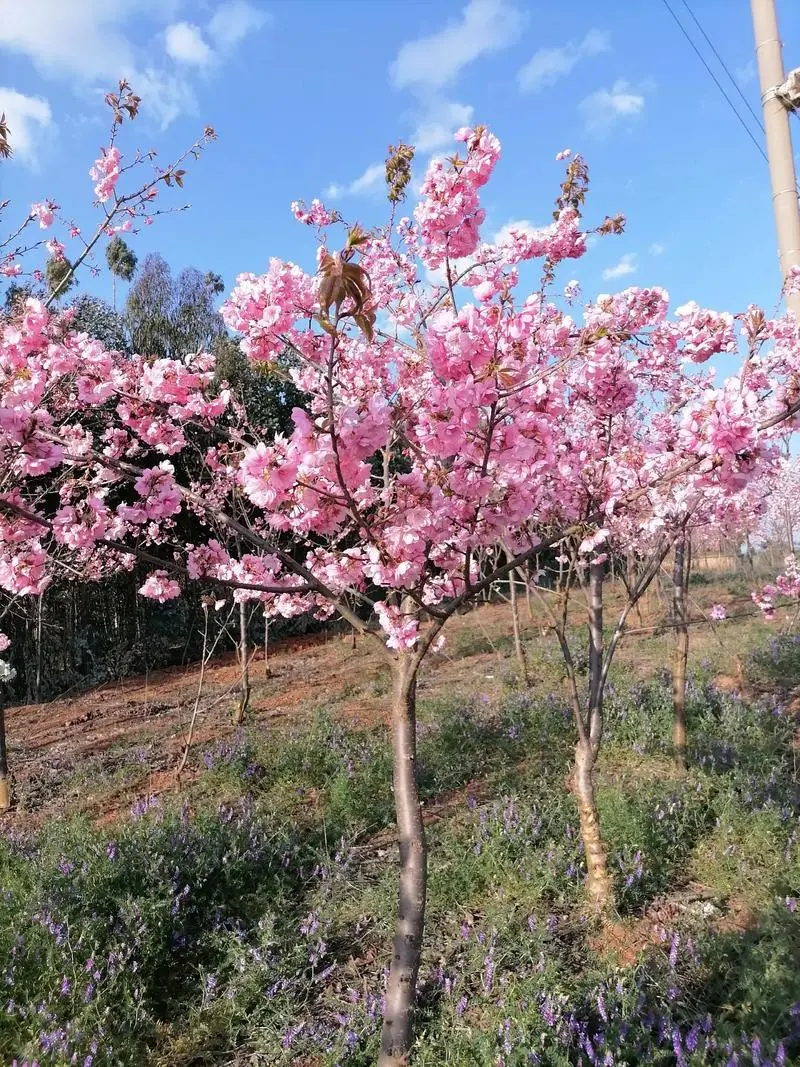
x=716 y=81
x=722 y=63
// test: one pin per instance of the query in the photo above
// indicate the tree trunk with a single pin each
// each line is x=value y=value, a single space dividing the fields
x=630 y=578
x=244 y=672
x=680 y=649
x=38 y=681
x=596 y=578
x=5 y=792
x=528 y=598
x=401 y=992
x=519 y=648
x=598 y=881
x=267 y=671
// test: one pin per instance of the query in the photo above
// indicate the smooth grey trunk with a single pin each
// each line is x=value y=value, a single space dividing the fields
x=630 y=581
x=397 y=1031
x=38 y=685
x=527 y=580
x=244 y=670
x=267 y=671
x=196 y=709
x=5 y=791
x=680 y=648
x=519 y=648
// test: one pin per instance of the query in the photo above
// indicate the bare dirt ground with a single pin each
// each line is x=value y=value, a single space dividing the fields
x=97 y=752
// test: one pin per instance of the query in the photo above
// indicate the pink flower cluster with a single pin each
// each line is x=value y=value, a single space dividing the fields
x=315 y=215
x=105 y=173
x=44 y=212
x=159 y=586
x=266 y=308
x=449 y=216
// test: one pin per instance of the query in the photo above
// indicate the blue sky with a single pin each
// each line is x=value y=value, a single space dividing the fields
x=306 y=95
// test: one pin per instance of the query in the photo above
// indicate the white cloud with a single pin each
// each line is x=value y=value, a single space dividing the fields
x=656 y=249
x=234 y=20
x=437 y=123
x=367 y=182
x=79 y=39
x=604 y=109
x=549 y=64
x=89 y=44
x=184 y=43
x=627 y=265
x=432 y=62
x=26 y=117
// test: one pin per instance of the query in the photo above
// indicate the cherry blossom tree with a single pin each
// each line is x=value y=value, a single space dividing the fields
x=786 y=585
x=438 y=422
x=782 y=515
x=119 y=212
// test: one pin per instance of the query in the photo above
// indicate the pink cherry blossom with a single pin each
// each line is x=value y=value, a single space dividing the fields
x=44 y=212
x=105 y=173
x=159 y=586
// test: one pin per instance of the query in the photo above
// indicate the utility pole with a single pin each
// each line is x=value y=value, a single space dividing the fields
x=779 y=140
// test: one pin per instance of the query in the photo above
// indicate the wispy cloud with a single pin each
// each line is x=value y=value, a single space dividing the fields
x=233 y=21
x=367 y=182
x=437 y=122
x=746 y=73
x=431 y=62
x=549 y=64
x=426 y=65
x=184 y=43
x=88 y=44
x=656 y=249
x=626 y=266
x=607 y=108
x=26 y=116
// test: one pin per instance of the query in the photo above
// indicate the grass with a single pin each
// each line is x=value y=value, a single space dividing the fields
x=252 y=925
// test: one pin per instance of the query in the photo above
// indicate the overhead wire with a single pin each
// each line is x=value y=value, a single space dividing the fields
x=715 y=79
x=724 y=66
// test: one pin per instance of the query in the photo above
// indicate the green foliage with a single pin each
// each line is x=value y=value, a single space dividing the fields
x=266 y=393
x=121 y=259
x=59 y=277
x=172 y=316
x=98 y=318
x=775 y=662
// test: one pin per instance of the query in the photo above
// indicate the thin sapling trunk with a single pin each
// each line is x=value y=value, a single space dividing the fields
x=400 y=995
x=519 y=648
x=598 y=880
x=5 y=791
x=680 y=649
x=244 y=668
x=267 y=671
